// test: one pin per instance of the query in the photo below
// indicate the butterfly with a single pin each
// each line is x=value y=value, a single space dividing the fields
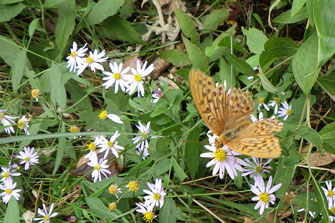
x=227 y=115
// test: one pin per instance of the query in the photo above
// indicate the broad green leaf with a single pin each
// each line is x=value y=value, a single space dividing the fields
x=211 y=21
x=78 y=94
x=12 y=212
x=296 y=6
x=178 y=171
x=192 y=151
x=99 y=208
x=102 y=10
x=60 y=150
x=168 y=212
x=117 y=28
x=267 y=84
x=7 y=12
x=310 y=135
x=321 y=199
x=324 y=20
x=10 y=1
x=162 y=167
x=328 y=84
x=285 y=17
x=226 y=73
x=255 y=39
x=327 y=135
x=276 y=48
x=52 y=3
x=65 y=23
x=238 y=64
x=8 y=50
x=186 y=25
x=32 y=27
x=18 y=69
x=305 y=64
x=174 y=56
x=196 y=56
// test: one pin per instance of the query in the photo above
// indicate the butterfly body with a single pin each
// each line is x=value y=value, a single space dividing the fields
x=227 y=114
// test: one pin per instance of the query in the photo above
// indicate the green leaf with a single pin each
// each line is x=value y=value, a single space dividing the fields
x=98 y=208
x=226 y=73
x=12 y=212
x=267 y=84
x=8 y=50
x=310 y=135
x=18 y=69
x=60 y=150
x=305 y=64
x=238 y=64
x=328 y=84
x=211 y=21
x=52 y=3
x=174 y=56
x=78 y=94
x=275 y=48
x=7 y=12
x=196 y=56
x=32 y=27
x=117 y=28
x=285 y=17
x=327 y=135
x=192 y=151
x=178 y=170
x=186 y=25
x=10 y=1
x=321 y=199
x=162 y=167
x=255 y=39
x=296 y=6
x=65 y=23
x=168 y=212
x=102 y=10
x=324 y=20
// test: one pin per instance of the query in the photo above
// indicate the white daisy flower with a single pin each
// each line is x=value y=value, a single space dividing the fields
x=256 y=168
x=261 y=103
x=329 y=192
x=100 y=167
x=155 y=195
x=23 y=123
x=46 y=215
x=223 y=159
x=144 y=132
x=111 y=144
x=75 y=58
x=117 y=77
x=148 y=214
x=93 y=62
x=28 y=157
x=144 y=153
x=9 y=190
x=115 y=118
x=92 y=146
x=285 y=111
x=157 y=95
x=136 y=80
x=311 y=213
x=114 y=190
x=7 y=121
x=274 y=103
x=8 y=173
x=264 y=194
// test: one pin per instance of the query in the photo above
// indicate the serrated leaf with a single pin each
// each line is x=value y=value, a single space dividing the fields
x=305 y=64
x=7 y=12
x=196 y=56
x=65 y=23
x=174 y=56
x=255 y=39
x=102 y=10
x=186 y=25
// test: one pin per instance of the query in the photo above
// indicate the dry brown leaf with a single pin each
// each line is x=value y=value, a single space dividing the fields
x=316 y=160
x=160 y=66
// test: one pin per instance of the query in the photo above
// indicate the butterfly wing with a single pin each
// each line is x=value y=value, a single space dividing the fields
x=258 y=140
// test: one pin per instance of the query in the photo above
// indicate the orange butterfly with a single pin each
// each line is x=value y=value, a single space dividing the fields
x=228 y=116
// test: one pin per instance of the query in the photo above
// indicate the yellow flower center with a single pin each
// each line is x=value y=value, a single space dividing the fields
x=46 y=217
x=110 y=144
x=289 y=111
x=1 y=115
x=261 y=100
x=144 y=134
x=157 y=196
x=220 y=155
x=97 y=167
x=277 y=100
x=257 y=74
x=21 y=124
x=92 y=146
x=6 y=174
x=27 y=159
x=112 y=206
x=264 y=197
x=330 y=193
x=133 y=186
x=74 y=129
x=35 y=93
x=89 y=60
x=332 y=210
x=117 y=76
x=8 y=191
x=258 y=169
x=73 y=54
x=138 y=78
x=112 y=189
x=103 y=114
x=148 y=216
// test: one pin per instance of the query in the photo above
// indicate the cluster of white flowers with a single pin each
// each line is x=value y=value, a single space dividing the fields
x=9 y=123
x=142 y=140
x=285 y=111
x=119 y=76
